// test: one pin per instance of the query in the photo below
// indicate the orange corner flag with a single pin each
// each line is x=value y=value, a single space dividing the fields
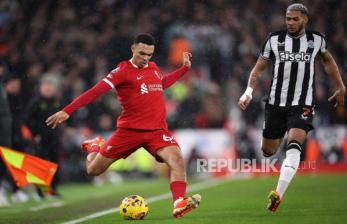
x=27 y=169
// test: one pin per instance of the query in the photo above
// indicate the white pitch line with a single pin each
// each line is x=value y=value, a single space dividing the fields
x=193 y=187
x=49 y=205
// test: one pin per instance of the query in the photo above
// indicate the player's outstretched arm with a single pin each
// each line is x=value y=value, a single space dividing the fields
x=84 y=99
x=331 y=69
x=246 y=97
x=57 y=118
x=169 y=79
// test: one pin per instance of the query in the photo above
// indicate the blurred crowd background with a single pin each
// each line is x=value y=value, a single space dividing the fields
x=51 y=51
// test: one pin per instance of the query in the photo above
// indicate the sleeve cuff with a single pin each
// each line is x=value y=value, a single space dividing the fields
x=185 y=68
x=66 y=110
x=263 y=57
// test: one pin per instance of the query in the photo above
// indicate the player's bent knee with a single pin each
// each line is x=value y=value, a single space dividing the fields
x=268 y=152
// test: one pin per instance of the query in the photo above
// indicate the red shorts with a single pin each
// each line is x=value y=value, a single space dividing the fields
x=124 y=141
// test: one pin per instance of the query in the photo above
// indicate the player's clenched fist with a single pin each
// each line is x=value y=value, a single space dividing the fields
x=246 y=98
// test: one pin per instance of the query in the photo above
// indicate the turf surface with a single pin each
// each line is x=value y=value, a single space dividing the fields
x=309 y=199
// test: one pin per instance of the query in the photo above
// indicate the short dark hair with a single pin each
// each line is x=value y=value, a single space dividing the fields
x=144 y=38
x=298 y=7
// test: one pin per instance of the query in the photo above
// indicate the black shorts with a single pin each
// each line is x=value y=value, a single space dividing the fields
x=280 y=119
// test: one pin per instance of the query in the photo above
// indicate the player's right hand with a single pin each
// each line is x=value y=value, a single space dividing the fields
x=244 y=101
x=57 y=118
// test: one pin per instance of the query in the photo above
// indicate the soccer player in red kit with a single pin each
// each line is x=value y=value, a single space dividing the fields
x=139 y=85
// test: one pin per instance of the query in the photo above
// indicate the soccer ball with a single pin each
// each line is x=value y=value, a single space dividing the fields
x=133 y=207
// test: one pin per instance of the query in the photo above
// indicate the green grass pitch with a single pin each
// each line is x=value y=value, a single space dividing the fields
x=309 y=199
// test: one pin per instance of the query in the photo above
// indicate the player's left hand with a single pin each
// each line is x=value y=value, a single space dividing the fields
x=187 y=59
x=339 y=96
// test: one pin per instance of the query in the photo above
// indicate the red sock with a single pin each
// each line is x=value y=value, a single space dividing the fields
x=178 y=189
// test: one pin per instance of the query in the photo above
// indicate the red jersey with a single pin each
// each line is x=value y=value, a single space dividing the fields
x=139 y=91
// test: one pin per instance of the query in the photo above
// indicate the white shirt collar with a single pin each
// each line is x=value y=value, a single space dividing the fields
x=297 y=37
x=136 y=65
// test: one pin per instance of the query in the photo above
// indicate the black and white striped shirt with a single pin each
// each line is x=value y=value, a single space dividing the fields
x=293 y=70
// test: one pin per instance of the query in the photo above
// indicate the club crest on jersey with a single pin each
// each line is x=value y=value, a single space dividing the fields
x=294 y=57
x=156 y=73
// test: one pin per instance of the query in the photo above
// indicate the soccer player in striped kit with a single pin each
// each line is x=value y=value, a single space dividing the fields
x=291 y=100
x=138 y=84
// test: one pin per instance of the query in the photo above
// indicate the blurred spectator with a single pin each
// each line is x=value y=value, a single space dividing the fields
x=5 y=134
x=16 y=104
x=187 y=110
x=45 y=141
x=213 y=111
x=13 y=90
x=178 y=45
